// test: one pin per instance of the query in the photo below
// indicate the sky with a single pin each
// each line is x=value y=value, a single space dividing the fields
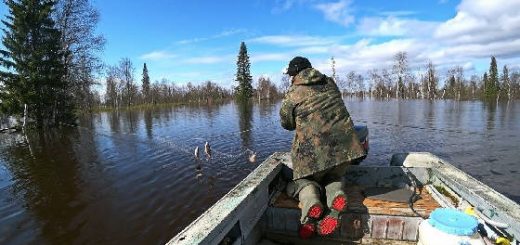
x=196 y=40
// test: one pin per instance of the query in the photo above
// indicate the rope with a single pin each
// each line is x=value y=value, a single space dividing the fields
x=215 y=154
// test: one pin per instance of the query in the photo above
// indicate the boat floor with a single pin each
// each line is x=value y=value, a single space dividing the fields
x=357 y=202
x=367 y=220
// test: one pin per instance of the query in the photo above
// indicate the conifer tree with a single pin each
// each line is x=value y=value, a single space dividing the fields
x=146 y=84
x=244 y=90
x=491 y=88
x=33 y=63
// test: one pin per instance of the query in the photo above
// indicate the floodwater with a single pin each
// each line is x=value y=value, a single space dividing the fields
x=131 y=177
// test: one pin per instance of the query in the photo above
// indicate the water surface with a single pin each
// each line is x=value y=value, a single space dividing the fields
x=131 y=177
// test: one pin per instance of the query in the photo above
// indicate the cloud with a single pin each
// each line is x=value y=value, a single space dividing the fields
x=157 y=55
x=222 y=34
x=295 y=40
x=208 y=59
x=337 y=12
x=394 y=26
x=271 y=57
x=284 y=5
x=398 y=13
x=482 y=21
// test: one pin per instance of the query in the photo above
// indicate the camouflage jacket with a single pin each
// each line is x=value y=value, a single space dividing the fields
x=324 y=135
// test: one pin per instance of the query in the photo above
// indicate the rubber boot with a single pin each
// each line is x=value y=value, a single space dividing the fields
x=310 y=203
x=329 y=224
x=337 y=203
x=336 y=197
x=307 y=230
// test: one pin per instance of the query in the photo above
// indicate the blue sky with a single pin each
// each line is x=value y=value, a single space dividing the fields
x=198 y=40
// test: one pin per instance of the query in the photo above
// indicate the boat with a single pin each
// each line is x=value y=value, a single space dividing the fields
x=257 y=210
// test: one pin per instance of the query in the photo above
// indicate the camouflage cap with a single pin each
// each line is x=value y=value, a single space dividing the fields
x=298 y=64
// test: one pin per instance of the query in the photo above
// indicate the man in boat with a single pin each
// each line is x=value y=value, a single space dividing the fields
x=324 y=145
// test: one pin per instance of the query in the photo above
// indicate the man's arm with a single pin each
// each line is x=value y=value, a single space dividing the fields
x=287 y=116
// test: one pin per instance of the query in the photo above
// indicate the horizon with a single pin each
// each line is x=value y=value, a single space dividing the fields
x=198 y=41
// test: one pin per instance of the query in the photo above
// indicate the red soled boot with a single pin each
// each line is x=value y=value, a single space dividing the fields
x=315 y=211
x=339 y=203
x=307 y=230
x=329 y=224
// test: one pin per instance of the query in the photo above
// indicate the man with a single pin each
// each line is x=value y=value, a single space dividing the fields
x=324 y=145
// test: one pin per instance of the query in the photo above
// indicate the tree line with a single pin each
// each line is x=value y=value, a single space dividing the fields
x=123 y=91
x=398 y=81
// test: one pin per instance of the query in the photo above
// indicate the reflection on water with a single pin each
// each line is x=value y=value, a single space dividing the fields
x=131 y=177
x=245 y=112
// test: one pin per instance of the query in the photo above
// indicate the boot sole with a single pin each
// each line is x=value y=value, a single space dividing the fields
x=315 y=211
x=328 y=225
x=339 y=203
x=307 y=231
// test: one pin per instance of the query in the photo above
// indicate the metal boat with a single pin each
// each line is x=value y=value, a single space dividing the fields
x=257 y=210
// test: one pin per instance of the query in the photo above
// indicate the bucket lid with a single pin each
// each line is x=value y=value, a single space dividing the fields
x=453 y=221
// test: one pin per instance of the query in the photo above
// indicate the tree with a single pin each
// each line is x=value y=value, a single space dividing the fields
x=33 y=62
x=126 y=75
x=431 y=81
x=77 y=20
x=266 y=89
x=506 y=82
x=400 y=71
x=244 y=90
x=111 y=94
x=333 y=67
x=285 y=84
x=484 y=84
x=515 y=84
x=377 y=80
x=473 y=86
x=146 y=84
x=491 y=88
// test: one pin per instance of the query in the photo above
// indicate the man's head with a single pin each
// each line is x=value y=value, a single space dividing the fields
x=298 y=64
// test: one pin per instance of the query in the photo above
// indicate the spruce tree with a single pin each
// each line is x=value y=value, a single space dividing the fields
x=492 y=81
x=146 y=84
x=244 y=90
x=33 y=61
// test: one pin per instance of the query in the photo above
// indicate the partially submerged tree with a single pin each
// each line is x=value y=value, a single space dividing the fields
x=146 y=85
x=431 y=81
x=506 y=82
x=400 y=72
x=33 y=61
x=491 y=88
x=81 y=45
x=244 y=90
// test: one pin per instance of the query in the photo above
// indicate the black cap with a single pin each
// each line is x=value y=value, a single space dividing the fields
x=298 y=64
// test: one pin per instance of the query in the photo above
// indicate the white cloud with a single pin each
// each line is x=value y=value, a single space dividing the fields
x=295 y=40
x=284 y=5
x=482 y=21
x=157 y=55
x=271 y=57
x=394 y=26
x=398 y=13
x=222 y=34
x=207 y=59
x=338 y=12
